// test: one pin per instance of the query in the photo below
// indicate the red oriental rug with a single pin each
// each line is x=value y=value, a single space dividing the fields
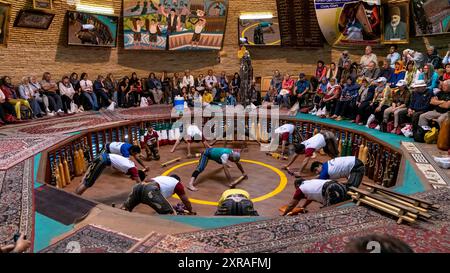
x=159 y=243
x=16 y=202
x=330 y=230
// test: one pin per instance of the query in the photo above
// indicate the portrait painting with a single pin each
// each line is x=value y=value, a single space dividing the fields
x=395 y=22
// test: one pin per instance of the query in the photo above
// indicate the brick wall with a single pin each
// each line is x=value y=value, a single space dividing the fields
x=31 y=51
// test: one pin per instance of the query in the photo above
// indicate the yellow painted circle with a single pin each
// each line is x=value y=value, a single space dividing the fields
x=281 y=185
x=251 y=43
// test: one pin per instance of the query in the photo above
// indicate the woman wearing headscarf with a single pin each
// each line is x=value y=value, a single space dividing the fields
x=411 y=74
x=399 y=74
x=332 y=72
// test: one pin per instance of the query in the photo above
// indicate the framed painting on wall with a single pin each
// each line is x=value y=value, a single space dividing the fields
x=5 y=11
x=91 y=29
x=34 y=19
x=174 y=24
x=431 y=16
x=43 y=4
x=395 y=23
x=259 y=32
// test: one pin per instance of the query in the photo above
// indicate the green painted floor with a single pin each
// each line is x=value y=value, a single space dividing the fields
x=212 y=222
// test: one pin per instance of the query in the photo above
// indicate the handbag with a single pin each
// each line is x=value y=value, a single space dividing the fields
x=73 y=107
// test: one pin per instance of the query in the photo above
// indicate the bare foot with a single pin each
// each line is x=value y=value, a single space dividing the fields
x=192 y=188
x=172 y=151
x=190 y=156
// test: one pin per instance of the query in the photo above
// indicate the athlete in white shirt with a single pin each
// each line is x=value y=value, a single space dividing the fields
x=192 y=134
x=324 y=139
x=324 y=191
x=285 y=131
x=341 y=167
x=117 y=162
x=154 y=192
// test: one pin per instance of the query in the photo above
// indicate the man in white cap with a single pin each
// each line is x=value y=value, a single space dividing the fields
x=419 y=104
x=400 y=102
x=382 y=100
x=221 y=156
x=396 y=29
x=441 y=105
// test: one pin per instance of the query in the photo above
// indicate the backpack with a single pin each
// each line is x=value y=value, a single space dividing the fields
x=431 y=136
x=25 y=112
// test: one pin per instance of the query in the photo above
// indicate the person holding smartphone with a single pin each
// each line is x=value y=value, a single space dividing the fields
x=21 y=244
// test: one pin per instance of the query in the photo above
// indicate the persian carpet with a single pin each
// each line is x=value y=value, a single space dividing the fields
x=316 y=232
x=92 y=239
x=16 y=202
x=15 y=149
x=145 y=112
x=159 y=243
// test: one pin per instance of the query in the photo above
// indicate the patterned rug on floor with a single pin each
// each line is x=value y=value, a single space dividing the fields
x=15 y=149
x=92 y=239
x=159 y=243
x=16 y=202
x=137 y=113
x=307 y=233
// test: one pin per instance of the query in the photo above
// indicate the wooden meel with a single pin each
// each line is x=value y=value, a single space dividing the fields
x=58 y=178
x=66 y=172
x=170 y=162
x=237 y=181
x=417 y=202
x=61 y=174
x=76 y=162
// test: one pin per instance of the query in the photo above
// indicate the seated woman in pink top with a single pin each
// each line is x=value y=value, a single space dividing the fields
x=286 y=91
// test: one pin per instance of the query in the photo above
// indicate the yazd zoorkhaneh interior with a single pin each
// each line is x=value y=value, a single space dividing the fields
x=224 y=126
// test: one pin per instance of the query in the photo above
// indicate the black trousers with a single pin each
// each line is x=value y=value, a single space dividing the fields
x=356 y=174
x=6 y=108
x=403 y=118
x=334 y=192
x=346 y=109
x=66 y=102
x=149 y=194
x=363 y=111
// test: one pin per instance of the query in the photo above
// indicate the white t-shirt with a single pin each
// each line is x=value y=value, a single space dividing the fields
x=86 y=85
x=285 y=128
x=193 y=130
x=167 y=185
x=317 y=142
x=114 y=148
x=188 y=81
x=340 y=167
x=121 y=163
x=312 y=189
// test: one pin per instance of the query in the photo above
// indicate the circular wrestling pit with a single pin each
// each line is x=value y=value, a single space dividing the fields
x=269 y=186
